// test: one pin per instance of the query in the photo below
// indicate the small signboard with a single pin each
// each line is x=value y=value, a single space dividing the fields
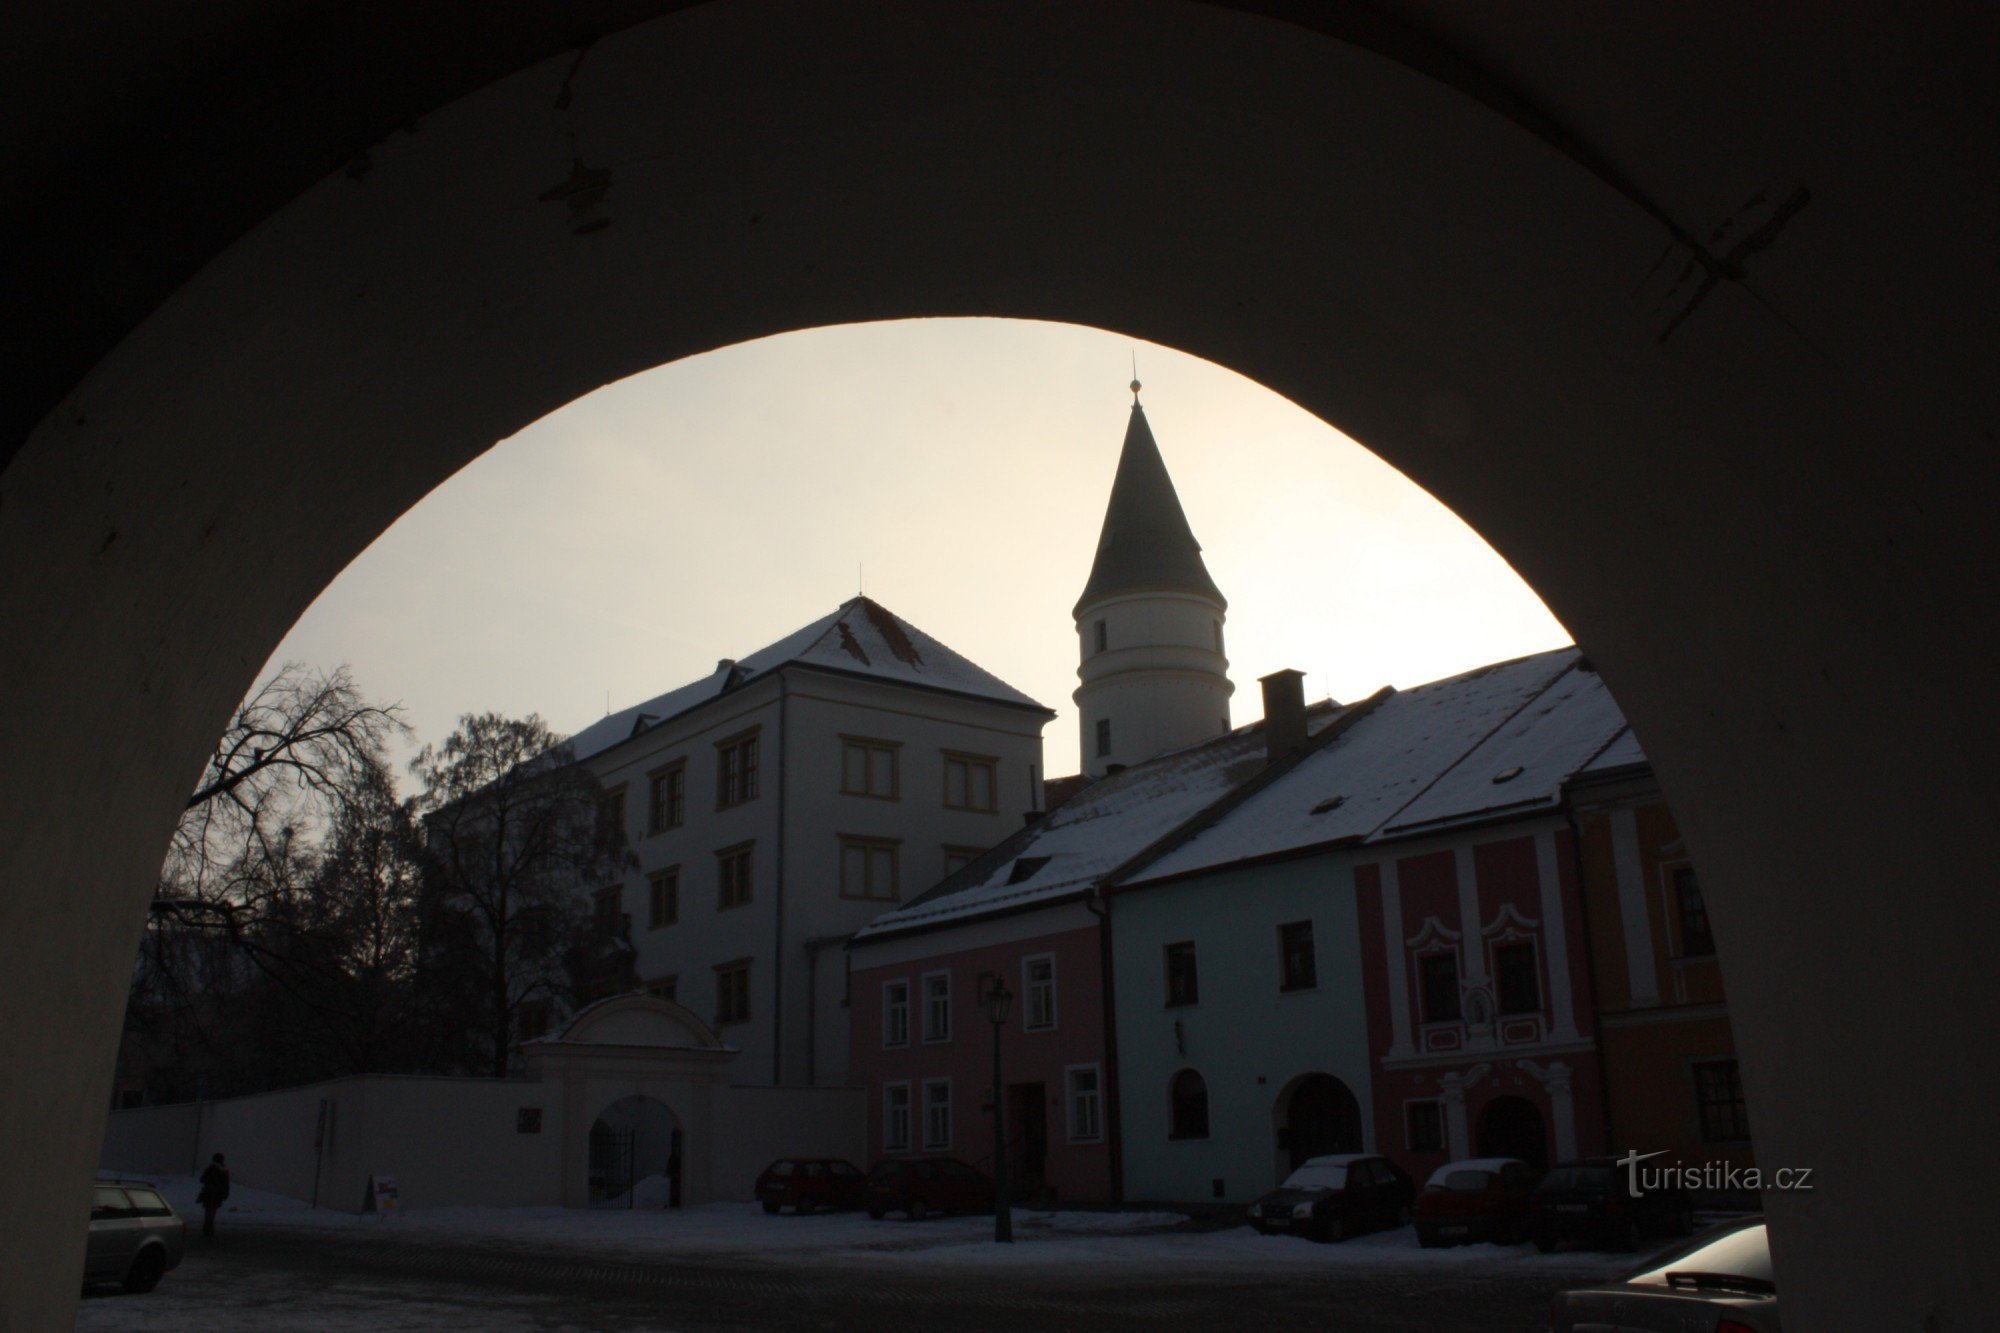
x=381 y=1195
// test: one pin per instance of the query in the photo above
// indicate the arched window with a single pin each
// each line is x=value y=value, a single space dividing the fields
x=1189 y=1094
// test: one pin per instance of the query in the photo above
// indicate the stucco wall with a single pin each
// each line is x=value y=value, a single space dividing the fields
x=765 y=1123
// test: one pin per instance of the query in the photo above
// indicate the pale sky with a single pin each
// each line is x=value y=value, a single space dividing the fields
x=620 y=546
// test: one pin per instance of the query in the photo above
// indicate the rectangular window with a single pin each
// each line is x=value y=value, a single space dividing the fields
x=868 y=768
x=1103 y=637
x=1440 y=980
x=895 y=1117
x=971 y=782
x=937 y=1113
x=896 y=1014
x=733 y=875
x=664 y=890
x=1718 y=1091
x=1183 y=985
x=937 y=1006
x=736 y=770
x=1103 y=737
x=664 y=988
x=1426 y=1126
x=1517 y=979
x=614 y=814
x=1038 y=990
x=732 y=992
x=1086 y=1104
x=1697 y=940
x=666 y=797
x=870 y=868
x=1298 y=967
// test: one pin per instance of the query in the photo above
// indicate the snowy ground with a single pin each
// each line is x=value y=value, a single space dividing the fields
x=744 y=1232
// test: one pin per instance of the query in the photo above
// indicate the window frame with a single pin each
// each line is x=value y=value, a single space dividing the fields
x=671 y=983
x=1679 y=878
x=869 y=747
x=739 y=786
x=1168 y=953
x=1501 y=1002
x=670 y=878
x=1103 y=738
x=889 y=1041
x=1287 y=983
x=929 y=1035
x=968 y=761
x=747 y=884
x=668 y=781
x=889 y=1117
x=931 y=1142
x=868 y=846
x=1072 y=1100
x=613 y=810
x=1424 y=961
x=1724 y=1119
x=1435 y=1106
x=724 y=1017
x=1176 y=1131
x=1028 y=990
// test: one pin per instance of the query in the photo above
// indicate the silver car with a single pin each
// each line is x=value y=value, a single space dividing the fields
x=1720 y=1280
x=135 y=1235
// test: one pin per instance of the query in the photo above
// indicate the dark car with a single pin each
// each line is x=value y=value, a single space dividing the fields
x=1483 y=1198
x=1593 y=1201
x=135 y=1236
x=920 y=1186
x=1720 y=1280
x=808 y=1184
x=1332 y=1198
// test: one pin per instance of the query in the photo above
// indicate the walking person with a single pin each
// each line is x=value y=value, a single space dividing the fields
x=214 y=1189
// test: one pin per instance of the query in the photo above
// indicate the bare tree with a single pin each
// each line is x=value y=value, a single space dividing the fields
x=516 y=835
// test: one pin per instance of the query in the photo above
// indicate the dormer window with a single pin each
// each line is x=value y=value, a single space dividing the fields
x=1026 y=868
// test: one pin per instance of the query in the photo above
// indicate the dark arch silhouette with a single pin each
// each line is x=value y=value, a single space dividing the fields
x=635 y=1155
x=1321 y=1116
x=1513 y=1127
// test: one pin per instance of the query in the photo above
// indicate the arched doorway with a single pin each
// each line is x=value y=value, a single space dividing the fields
x=1512 y=1127
x=1320 y=1116
x=635 y=1155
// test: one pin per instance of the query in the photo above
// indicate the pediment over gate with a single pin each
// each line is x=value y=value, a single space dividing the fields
x=635 y=1020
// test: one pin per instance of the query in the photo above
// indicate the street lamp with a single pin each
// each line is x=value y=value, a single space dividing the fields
x=998 y=1000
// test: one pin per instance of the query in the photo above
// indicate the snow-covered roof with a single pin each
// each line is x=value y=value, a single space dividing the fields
x=861 y=638
x=1091 y=834
x=1393 y=759
x=1621 y=753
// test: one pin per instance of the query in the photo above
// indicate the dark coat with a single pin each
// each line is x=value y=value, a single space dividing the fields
x=214 y=1186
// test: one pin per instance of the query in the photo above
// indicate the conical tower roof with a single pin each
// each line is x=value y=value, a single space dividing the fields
x=1146 y=543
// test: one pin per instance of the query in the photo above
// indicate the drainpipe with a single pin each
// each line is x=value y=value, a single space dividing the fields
x=778 y=914
x=1113 y=1128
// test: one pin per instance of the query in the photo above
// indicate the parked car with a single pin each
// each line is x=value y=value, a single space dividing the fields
x=1481 y=1198
x=1592 y=1201
x=135 y=1236
x=807 y=1184
x=1334 y=1197
x=1720 y=1280
x=920 y=1186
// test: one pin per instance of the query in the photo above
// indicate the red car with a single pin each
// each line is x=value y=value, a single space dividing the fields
x=920 y=1186
x=807 y=1184
x=1484 y=1198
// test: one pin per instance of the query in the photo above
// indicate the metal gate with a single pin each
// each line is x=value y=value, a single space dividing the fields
x=610 y=1164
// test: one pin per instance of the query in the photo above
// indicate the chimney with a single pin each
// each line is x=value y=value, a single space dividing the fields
x=1284 y=713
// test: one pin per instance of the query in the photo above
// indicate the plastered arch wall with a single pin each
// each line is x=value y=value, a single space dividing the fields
x=1761 y=509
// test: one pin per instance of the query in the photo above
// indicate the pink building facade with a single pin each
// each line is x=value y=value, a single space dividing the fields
x=922 y=1046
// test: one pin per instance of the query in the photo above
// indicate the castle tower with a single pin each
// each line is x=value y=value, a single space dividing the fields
x=1149 y=623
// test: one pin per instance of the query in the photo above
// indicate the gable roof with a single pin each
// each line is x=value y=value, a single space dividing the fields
x=861 y=638
x=1146 y=541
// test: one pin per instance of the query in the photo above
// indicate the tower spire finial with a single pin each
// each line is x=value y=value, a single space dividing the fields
x=1135 y=377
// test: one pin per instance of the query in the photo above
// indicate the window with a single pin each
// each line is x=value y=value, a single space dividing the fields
x=614 y=814
x=895 y=1117
x=736 y=770
x=896 y=1018
x=732 y=992
x=1718 y=1092
x=666 y=797
x=1026 y=868
x=664 y=892
x=1188 y=1096
x=1440 y=977
x=937 y=1006
x=868 y=768
x=869 y=868
x=969 y=782
x=1183 y=986
x=1426 y=1125
x=1298 y=969
x=1103 y=737
x=664 y=988
x=1697 y=940
x=733 y=875
x=1085 y=1100
x=958 y=858
x=1517 y=978
x=937 y=1113
x=1103 y=637
x=1038 y=986
x=608 y=904
x=527 y=1120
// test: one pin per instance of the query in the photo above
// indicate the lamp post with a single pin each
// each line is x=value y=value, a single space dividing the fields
x=998 y=999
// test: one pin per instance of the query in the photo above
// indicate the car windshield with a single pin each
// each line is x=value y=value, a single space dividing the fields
x=1469 y=1180
x=1316 y=1178
x=1739 y=1252
x=1577 y=1178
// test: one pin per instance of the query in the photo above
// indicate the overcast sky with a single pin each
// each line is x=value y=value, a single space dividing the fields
x=618 y=547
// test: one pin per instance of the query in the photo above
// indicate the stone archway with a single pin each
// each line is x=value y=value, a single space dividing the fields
x=1753 y=483
x=1317 y=1115
x=1513 y=1127
x=635 y=1155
